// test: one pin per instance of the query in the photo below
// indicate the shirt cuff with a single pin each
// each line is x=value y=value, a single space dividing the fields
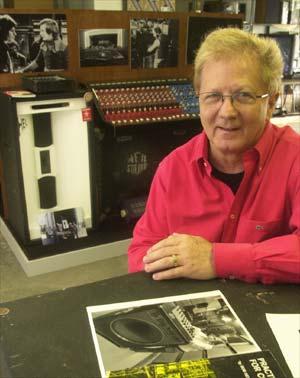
x=234 y=260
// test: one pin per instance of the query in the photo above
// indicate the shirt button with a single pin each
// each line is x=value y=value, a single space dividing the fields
x=205 y=164
x=232 y=216
x=259 y=227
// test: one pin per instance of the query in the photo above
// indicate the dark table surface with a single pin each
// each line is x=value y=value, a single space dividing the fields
x=48 y=336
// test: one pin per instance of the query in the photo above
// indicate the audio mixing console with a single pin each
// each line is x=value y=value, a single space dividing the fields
x=139 y=123
x=148 y=101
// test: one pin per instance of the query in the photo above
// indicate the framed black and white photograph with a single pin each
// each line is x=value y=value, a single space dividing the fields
x=286 y=43
x=33 y=43
x=103 y=47
x=164 y=330
x=62 y=225
x=199 y=27
x=154 y=43
x=151 y=5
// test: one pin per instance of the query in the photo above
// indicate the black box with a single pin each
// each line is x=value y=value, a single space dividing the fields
x=48 y=84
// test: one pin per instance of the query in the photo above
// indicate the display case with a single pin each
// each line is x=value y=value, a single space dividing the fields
x=68 y=162
x=45 y=147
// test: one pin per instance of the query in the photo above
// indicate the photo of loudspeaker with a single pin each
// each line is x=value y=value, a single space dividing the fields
x=163 y=330
x=149 y=328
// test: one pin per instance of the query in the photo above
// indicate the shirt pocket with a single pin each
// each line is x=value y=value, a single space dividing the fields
x=251 y=231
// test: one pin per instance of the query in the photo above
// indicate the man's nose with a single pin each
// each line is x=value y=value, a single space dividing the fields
x=227 y=106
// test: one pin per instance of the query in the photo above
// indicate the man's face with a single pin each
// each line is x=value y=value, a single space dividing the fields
x=233 y=128
x=140 y=25
x=11 y=34
x=43 y=33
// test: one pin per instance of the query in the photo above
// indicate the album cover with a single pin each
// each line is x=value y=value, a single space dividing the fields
x=162 y=331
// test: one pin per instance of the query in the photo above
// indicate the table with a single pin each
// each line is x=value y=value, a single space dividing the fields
x=49 y=336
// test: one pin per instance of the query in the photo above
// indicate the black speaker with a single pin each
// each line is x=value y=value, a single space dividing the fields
x=135 y=159
x=42 y=129
x=45 y=162
x=47 y=190
x=131 y=158
x=153 y=327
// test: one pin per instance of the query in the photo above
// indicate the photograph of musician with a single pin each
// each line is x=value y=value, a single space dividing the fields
x=7 y=36
x=154 y=43
x=19 y=60
x=52 y=50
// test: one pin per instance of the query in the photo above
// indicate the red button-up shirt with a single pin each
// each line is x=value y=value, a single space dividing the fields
x=255 y=233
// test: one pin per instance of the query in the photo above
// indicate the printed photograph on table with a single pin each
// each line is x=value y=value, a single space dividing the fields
x=165 y=330
x=154 y=43
x=62 y=225
x=103 y=47
x=33 y=43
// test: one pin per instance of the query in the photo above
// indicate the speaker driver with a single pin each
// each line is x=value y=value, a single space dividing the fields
x=137 y=331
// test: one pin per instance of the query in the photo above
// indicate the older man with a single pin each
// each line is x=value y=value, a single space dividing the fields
x=227 y=203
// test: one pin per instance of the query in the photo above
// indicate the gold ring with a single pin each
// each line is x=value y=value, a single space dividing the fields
x=174 y=261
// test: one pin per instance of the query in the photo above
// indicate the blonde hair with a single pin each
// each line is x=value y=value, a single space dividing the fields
x=234 y=43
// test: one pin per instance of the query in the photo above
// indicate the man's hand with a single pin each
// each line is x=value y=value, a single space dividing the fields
x=180 y=255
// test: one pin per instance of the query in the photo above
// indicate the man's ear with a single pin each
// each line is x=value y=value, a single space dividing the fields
x=271 y=105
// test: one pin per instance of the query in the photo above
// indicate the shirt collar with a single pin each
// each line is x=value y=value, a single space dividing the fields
x=264 y=145
x=261 y=149
x=200 y=151
x=199 y=154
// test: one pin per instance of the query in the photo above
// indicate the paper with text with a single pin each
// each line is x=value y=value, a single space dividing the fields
x=286 y=328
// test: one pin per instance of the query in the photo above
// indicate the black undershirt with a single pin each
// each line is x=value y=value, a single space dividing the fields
x=233 y=180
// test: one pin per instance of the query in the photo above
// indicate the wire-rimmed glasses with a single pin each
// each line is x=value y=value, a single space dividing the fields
x=237 y=98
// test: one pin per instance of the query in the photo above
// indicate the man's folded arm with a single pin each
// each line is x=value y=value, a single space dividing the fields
x=271 y=261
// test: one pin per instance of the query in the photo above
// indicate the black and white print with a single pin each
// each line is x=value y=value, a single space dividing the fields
x=103 y=47
x=199 y=27
x=154 y=43
x=164 y=330
x=33 y=43
x=62 y=225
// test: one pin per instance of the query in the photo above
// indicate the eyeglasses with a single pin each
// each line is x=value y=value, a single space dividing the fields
x=237 y=98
